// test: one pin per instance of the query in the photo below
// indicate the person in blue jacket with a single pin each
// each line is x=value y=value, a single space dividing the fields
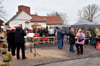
x=60 y=34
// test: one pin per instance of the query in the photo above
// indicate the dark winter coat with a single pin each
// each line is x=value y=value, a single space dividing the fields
x=11 y=36
x=60 y=34
x=41 y=32
x=71 y=38
x=19 y=35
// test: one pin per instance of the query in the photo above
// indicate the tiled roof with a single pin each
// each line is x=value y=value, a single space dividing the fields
x=50 y=20
x=36 y=18
x=53 y=20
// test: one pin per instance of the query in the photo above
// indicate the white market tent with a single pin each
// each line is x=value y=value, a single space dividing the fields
x=85 y=23
x=62 y=26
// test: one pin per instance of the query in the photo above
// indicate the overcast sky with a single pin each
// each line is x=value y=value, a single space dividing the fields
x=42 y=7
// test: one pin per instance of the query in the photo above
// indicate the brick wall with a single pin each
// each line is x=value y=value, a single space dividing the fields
x=23 y=8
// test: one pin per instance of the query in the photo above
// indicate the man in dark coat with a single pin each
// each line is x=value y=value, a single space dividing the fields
x=9 y=41
x=41 y=32
x=13 y=45
x=20 y=42
x=71 y=40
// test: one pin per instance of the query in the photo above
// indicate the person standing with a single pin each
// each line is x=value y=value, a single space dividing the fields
x=46 y=31
x=60 y=34
x=9 y=41
x=71 y=40
x=51 y=31
x=56 y=33
x=13 y=45
x=20 y=42
x=79 y=44
x=64 y=36
x=40 y=32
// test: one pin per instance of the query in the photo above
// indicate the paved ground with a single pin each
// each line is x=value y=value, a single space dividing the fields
x=77 y=62
x=51 y=56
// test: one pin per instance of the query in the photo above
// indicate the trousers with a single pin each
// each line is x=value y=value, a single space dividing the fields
x=21 y=47
x=79 y=48
x=60 y=42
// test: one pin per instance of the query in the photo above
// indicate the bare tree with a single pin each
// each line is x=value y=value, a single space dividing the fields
x=90 y=13
x=62 y=15
x=53 y=14
x=2 y=11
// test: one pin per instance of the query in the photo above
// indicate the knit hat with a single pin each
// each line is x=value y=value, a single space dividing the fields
x=20 y=25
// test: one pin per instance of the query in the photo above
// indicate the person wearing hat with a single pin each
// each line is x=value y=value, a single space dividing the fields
x=9 y=38
x=13 y=45
x=20 y=42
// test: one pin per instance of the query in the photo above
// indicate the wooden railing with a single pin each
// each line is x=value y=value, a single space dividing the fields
x=45 y=40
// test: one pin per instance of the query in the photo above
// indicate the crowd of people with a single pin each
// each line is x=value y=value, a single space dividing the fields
x=74 y=38
x=16 y=40
x=42 y=31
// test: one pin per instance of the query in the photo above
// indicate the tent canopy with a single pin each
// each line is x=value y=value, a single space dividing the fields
x=62 y=26
x=85 y=23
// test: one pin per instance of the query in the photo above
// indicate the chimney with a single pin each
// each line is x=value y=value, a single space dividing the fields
x=24 y=8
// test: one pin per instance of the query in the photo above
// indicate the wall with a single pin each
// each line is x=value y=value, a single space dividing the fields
x=43 y=24
x=21 y=18
x=16 y=23
x=24 y=8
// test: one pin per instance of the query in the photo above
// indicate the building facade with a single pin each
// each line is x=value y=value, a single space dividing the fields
x=24 y=17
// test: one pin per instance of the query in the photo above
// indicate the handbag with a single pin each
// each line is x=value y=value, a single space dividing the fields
x=80 y=38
